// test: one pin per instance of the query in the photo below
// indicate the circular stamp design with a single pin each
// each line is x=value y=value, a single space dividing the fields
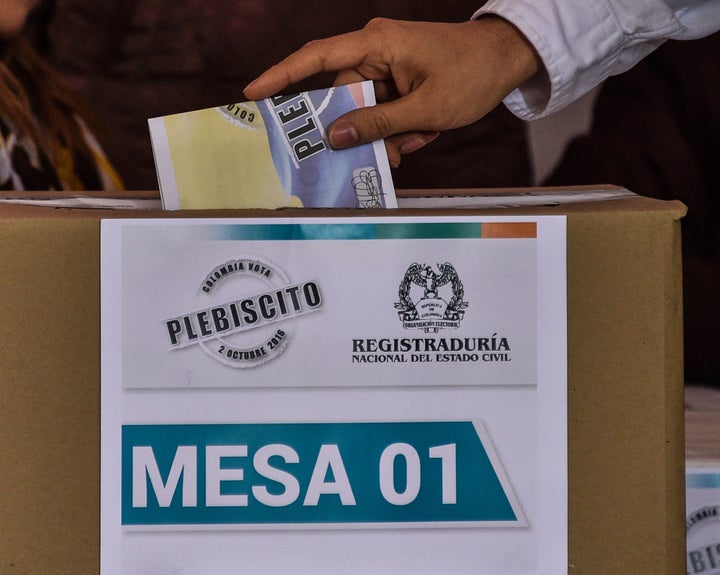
x=703 y=541
x=246 y=323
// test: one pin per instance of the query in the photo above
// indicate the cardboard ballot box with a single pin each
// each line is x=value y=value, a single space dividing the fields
x=625 y=387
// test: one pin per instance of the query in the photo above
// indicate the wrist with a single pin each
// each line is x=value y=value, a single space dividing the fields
x=521 y=61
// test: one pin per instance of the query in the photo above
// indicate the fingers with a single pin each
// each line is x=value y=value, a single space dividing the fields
x=333 y=54
x=393 y=154
x=412 y=142
x=402 y=144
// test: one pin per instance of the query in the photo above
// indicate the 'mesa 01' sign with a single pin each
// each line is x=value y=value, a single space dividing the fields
x=312 y=473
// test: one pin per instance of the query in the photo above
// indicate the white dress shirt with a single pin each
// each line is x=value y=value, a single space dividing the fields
x=582 y=42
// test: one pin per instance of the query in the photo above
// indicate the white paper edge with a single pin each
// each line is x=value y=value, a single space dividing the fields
x=381 y=154
x=164 y=164
x=111 y=396
x=552 y=430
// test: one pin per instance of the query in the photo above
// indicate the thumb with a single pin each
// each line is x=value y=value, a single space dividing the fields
x=342 y=133
x=369 y=124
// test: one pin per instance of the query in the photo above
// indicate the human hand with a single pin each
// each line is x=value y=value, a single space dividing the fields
x=428 y=77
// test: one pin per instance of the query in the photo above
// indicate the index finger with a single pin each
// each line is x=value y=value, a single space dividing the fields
x=328 y=55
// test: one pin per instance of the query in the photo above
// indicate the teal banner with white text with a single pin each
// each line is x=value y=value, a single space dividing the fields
x=309 y=473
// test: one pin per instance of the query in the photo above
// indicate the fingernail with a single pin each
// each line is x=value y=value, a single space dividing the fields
x=250 y=85
x=343 y=136
x=412 y=145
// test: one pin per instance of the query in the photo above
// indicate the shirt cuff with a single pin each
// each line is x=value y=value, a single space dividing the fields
x=580 y=44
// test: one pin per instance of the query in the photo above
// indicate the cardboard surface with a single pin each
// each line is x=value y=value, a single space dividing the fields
x=625 y=392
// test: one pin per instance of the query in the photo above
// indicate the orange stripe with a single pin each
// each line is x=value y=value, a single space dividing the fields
x=509 y=230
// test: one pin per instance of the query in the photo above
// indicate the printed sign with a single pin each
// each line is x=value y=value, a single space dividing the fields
x=328 y=386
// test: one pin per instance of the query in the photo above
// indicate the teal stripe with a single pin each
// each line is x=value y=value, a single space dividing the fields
x=437 y=230
x=300 y=232
x=703 y=480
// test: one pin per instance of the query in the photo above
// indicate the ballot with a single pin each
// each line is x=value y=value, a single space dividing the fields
x=271 y=153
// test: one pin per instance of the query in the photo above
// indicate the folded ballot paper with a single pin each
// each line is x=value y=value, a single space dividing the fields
x=269 y=154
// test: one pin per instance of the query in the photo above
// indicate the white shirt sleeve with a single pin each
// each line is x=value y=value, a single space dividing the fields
x=582 y=42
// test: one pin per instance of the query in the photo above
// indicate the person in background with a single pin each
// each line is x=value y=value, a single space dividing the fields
x=137 y=60
x=656 y=131
x=44 y=143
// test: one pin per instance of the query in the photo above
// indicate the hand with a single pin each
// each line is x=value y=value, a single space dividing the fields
x=428 y=77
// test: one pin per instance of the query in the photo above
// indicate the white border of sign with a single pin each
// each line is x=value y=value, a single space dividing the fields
x=418 y=548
